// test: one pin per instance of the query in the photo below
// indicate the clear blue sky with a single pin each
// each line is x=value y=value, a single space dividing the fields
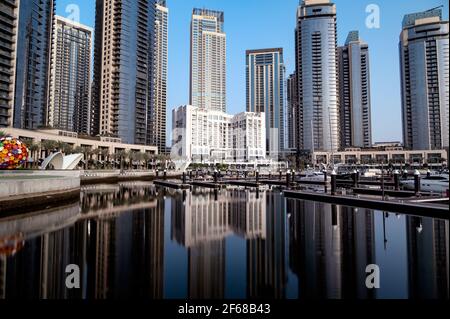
x=254 y=24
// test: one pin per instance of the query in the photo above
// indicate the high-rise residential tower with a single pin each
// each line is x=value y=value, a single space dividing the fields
x=208 y=60
x=158 y=104
x=265 y=74
x=292 y=120
x=354 y=92
x=424 y=64
x=70 y=76
x=30 y=45
x=317 y=76
x=8 y=48
x=123 y=67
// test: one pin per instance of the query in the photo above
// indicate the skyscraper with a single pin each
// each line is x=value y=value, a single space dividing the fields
x=265 y=73
x=208 y=60
x=317 y=76
x=34 y=20
x=292 y=119
x=70 y=76
x=424 y=66
x=158 y=105
x=354 y=92
x=123 y=66
x=8 y=47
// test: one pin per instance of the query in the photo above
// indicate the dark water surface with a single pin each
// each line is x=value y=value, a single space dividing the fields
x=135 y=240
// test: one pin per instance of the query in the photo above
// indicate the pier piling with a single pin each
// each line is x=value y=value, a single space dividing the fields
x=333 y=182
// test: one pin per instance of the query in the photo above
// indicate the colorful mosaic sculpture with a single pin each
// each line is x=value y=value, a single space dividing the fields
x=13 y=153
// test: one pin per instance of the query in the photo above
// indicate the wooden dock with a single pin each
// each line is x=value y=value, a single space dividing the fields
x=173 y=185
x=404 y=207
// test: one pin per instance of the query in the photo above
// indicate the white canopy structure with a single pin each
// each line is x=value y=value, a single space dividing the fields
x=60 y=162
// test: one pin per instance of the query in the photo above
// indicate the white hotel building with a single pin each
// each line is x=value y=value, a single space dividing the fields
x=213 y=137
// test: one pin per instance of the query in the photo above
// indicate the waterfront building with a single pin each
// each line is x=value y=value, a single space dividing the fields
x=158 y=104
x=110 y=144
x=25 y=54
x=397 y=156
x=424 y=64
x=317 y=75
x=123 y=69
x=208 y=136
x=354 y=92
x=70 y=77
x=265 y=74
x=208 y=60
x=8 y=51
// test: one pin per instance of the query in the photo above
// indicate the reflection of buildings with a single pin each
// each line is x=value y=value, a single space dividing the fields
x=206 y=219
x=203 y=222
x=266 y=264
x=119 y=250
x=330 y=247
x=428 y=258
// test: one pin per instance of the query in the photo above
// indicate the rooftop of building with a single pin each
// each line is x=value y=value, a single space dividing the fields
x=211 y=13
x=269 y=50
x=411 y=19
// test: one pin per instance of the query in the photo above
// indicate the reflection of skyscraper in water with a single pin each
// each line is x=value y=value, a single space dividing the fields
x=428 y=253
x=358 y=238
x=330 y=247
x=129 y=254
x=203 y=222
x=266 y=264
x=2 y=277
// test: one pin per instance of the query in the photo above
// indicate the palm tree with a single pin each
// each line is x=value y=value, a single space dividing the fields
x=48 y=146
x=120 y=155
x=146 y=157
x=105 y=155
x=2 y=134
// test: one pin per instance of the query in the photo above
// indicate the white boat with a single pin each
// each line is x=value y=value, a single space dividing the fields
x=372 y=172
x=313 y=176
x=433 y=183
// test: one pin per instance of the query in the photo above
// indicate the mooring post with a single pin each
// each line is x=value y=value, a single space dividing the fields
x=257 y=177
x=184 y=177
x=397 y=180
x=288 y=178
x=417 y=182
x=355 y=181
x=281 y=175
x=333 y=182
x=325 y=175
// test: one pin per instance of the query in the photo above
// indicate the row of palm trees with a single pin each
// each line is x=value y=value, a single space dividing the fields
x=99 y=158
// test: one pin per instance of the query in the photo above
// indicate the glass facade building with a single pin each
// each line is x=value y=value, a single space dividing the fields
x=158 y=107
x=354 y=93
x=317 y=75
x=35 y=19
x=424 y=63
x=8 y=46
x=208 y=60
x=265 y=73
x=70 y=76
x=123 y=80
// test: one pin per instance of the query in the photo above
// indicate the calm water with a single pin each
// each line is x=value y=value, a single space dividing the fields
x=135 y=240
